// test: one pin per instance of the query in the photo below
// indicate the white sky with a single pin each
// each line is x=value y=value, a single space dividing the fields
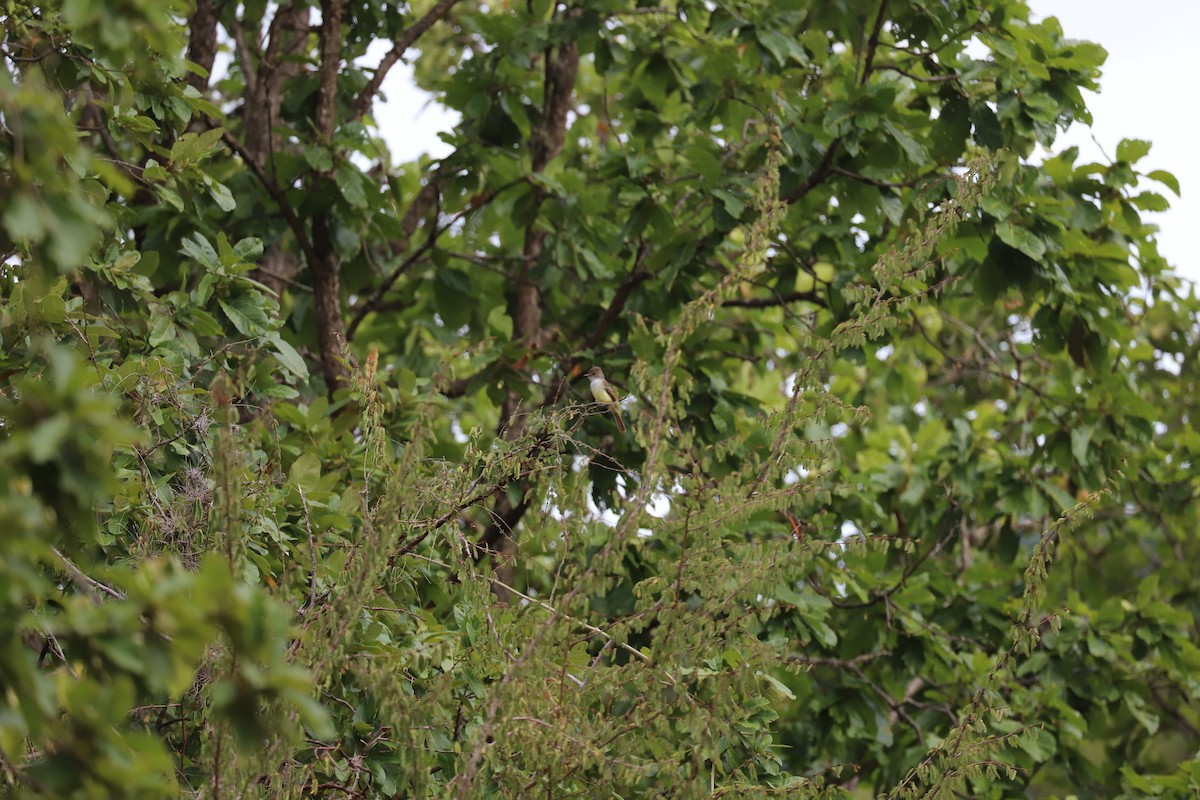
x=1145 y=87
x=1144 y=91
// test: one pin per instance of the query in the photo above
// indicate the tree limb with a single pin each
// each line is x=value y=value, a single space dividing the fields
x=363 y=102
x=777 y=300
x=873 y=42
x=277 y=194
x=237 y=30
x=331 y=59
x=635 y=277
x=921 y=78
x=882 y=184
x=82 y=580
x=823 y=169
x=327 y=301
x=202 y=41
x=279 y=62
x=326 y=266
x=376 y=301
x=525 y=301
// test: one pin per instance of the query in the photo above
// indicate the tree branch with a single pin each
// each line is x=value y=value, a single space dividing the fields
x=327 y=301
x=363 y=102
x=525 y=300
x=915 y=77
x=280 y=61
x=635 y=277
x=823 y=169
x=277 y=194
x=202 y=41
x=376 y=301
x=429 y=196
x=777 y=300
x=882 y=184
x=326 y=267
x=275 y=39
x=83 y=581
x=331 y=59
x=237 y=30
x=873 y=42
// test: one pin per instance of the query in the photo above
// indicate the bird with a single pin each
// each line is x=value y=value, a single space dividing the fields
x=605 y=394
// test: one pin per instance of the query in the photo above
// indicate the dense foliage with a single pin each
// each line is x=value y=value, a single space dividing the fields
x=303 y=494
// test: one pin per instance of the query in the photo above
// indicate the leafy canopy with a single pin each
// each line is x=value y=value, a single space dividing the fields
x=303 y=492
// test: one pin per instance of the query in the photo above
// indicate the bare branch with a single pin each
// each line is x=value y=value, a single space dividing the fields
x=277 y=194
x=882 y=184
x=88 y=584
x=244 y=55
x=823 y=170
x=363 y=102
x=635 y=278
x=376 y=301
x=777 y=300
x=915 y=77
x=312 y=553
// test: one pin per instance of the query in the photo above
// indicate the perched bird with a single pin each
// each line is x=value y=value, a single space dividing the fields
x=604 y=393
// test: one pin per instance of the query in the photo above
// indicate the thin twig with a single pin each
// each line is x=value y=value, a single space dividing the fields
x=88 y=584
x=312 y=551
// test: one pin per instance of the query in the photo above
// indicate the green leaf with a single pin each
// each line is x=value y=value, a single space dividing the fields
x=46 y=439
x=163 y=331
x=191 y=148
x=1081 y=436
x=735 y=206
x=222 y=196
x=319 y=158
x=915 y=151
x=203 y=323
x=169 y=196
x=23 y=219
x=137 y=123
x=987 y=130
x=1166 y=179
x=1150 y=201
x=249 y=249
x=1137 y=707
x=951 y=130
x=289 y=358
x=350 y=183
x=1022 y=239
x=201 y=250
x=780 y=45
x=305 y=472
x=247 y=314
x=155 y=172
x=500 y=323
x=778 y=685
x=451 y=287
x=1132 y=150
